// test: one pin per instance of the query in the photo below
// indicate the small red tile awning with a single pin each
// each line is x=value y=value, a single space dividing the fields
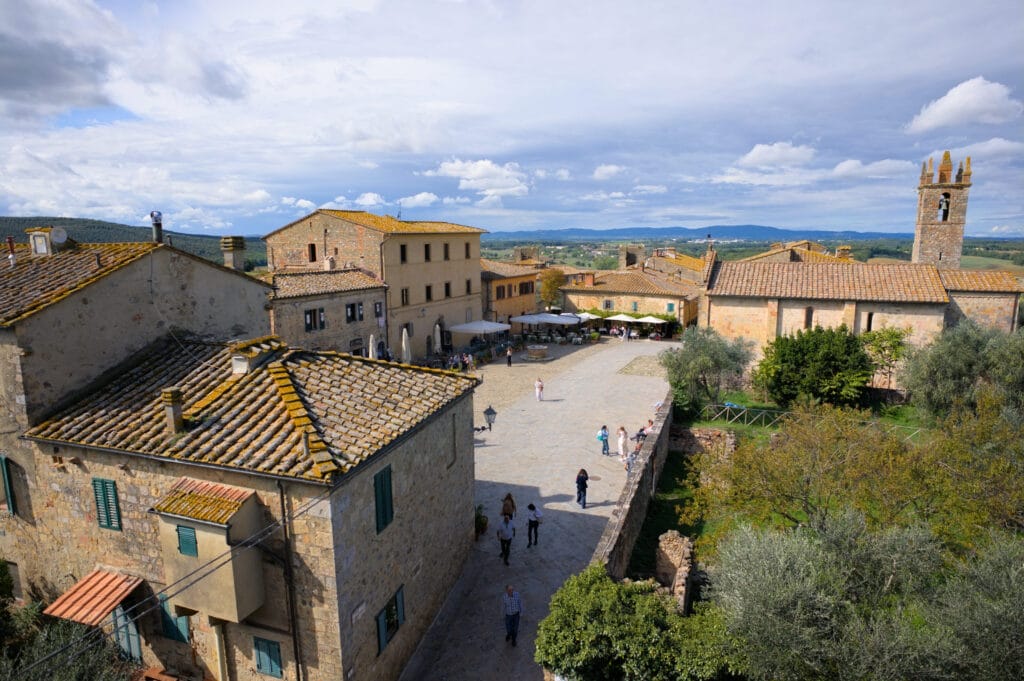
x=94 y=597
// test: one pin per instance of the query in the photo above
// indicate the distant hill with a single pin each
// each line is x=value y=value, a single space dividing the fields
x=718 y=233
x=98 y=231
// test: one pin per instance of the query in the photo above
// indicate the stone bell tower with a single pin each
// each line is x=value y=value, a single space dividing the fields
x=941 y=213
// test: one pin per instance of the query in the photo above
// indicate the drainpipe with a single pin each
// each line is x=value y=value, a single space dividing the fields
x=289 y=578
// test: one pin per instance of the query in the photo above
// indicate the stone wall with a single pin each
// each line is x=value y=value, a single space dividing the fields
x=994 y=310
x=620 y=534
x=288 y=321
x=684 y=310
x=673 y=567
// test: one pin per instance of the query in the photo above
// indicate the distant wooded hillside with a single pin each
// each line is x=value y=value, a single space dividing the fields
x=98 y=231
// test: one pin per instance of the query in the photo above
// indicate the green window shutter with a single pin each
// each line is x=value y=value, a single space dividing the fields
x=382 y=630
x=382 y=498
x=174 y=627
x=400 y=604
x=268 y=657
x=187 y=545
x=108 y=510
x=8 y=499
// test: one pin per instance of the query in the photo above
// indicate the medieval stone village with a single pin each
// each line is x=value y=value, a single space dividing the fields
x=225 y=476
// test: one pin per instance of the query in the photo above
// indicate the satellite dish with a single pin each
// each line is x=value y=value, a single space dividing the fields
x=58 y=235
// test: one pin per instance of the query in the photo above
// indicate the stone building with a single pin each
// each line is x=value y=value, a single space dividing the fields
x=431 y=269
x=941 y=213
x=249 y=511
x=69 y=314
x=634 y=292
x=508 y=289
x=329 y=310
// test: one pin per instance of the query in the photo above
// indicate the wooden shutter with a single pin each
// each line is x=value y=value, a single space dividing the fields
x=382 y=630
x=8 y=500
x=187 y=544
x=400 y=604
x=268 y=657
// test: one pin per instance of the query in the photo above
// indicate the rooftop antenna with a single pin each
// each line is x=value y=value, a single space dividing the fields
x=157 y=218
x=399 y=216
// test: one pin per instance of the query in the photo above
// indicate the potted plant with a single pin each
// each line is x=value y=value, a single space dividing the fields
x=480 y=520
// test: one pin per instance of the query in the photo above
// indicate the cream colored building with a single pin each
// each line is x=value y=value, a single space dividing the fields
x=509 y=289
x=431 y=269
x=633 y=292
x=248 y=511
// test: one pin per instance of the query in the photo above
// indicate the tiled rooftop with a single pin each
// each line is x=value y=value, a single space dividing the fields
x=203 y=500
x=298 y=284
x=632 y=281
x=345 y=408
x=94 y=597
x=800 y=251
x=828 y=281
x=37 y=281
x=495 y=269
x=980 y=280
x=685 y=261
x=388 y=224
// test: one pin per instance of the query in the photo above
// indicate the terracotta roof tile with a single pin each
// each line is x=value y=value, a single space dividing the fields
x=828 y=281
x=992 y=281
x=94 y=597
x=203 y=500
x=685 y=261
x=495 y=269
x=38 y=281
x=633 y=281
x=295 y=414
x=297 y=284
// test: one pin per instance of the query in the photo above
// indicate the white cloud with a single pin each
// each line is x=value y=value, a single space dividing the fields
x=786 y=177
x=540 y=173
x=418 y=200
x=1007 y=230
x=258 y=196
x=972 y=101
x=304 y=204
x=777 y=154
x=563 y=174
x=607 y=171
x=603 y=196
x=642 y=189
x=886 y=168
x=452 y=200
x=370 y=199
x=490 y=181
x=997 y=147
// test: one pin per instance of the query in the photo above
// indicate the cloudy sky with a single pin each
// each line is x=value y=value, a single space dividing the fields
x=239 y=117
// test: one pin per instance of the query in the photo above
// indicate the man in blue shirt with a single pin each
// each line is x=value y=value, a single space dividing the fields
x=512 y=607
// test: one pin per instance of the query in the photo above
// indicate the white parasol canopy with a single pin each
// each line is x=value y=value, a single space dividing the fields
x=621 y=318
x=651 y=320
x=527 y=319
x=373 y=347
x=562 y=320
x=406 y=350
x=479 y=326
x=586 y=316
x=437 y=338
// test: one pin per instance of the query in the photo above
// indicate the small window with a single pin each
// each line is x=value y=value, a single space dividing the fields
x=350 y=312
x=426 y=252
x=670 y=307
x=499 y=292
x=469 y=286
x=525 y=288
x=428 y=292
x=268 y=657
x=808 y=317
x=403 y=253
x=174 y=627
x=378 y=310
x=187 y=545
x=870 y=321
x=447 y=289
x=382 y=496
x=315 y=319
x=607 y=305
x=312 y=252
x=359 y=311
x=108 y=510
x=408 y=328
x=405 y=296
x=6 y=495
x=467 y=250
x=447 y=256
x=635 y=306
x=390 y=619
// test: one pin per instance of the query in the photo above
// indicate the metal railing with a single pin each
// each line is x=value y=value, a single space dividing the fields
x=768 y=418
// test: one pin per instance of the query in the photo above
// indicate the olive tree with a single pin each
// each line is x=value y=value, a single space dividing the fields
x=699 y=369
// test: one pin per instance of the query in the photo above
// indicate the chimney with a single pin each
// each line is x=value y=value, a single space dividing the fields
x=233 y=248
x=844 y=252
x=10 y=249
x=588 y=279
x=171 y=397
x=157 y=218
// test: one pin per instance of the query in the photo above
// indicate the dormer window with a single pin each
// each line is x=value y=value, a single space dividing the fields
x=40 y=244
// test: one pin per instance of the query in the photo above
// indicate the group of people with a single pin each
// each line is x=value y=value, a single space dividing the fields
x=627 y=454
x=462 y=362
x=507 y=527
x=623 y=332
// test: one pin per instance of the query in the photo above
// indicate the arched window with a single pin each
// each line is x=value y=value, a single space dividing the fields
x=944 y=207
x=808 y=317
x=312 y=252
x=871 y=318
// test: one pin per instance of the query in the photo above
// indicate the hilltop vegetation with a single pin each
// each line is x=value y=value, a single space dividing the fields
x=98 y=231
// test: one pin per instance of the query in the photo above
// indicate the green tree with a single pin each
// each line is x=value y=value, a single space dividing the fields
x=101 y=662
x=551 y=280
x=886 y=347
x=820 y=364
x=606 y=262
x=700 y=367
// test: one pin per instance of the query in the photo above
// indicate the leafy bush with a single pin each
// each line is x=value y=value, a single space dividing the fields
x=702 y=366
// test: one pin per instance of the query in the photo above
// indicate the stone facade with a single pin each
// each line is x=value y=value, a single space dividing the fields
x=673 y=565
x=422 y=292
x=341 y=320
x=995 y=310
x=941 y=214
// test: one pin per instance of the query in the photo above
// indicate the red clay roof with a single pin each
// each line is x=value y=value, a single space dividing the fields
x=203 y=500
x=387 y=224
x=991 y=281
x=298 y=284
x=906 y=283
x=633 y=282
x=94 y=597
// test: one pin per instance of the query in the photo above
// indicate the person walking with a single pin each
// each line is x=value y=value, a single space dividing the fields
x=538 y=388
x=602 y=436
x=508 y=355
x=623 y=436
x=508 y=506
x=506 y=531
x=512 y=609
x=581 y=487
x=533 y=520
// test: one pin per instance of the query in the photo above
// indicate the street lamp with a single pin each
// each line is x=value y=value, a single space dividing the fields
x=489 y=416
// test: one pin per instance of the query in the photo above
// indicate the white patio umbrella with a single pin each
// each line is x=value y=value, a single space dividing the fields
x=373 y=347
x=406 y=350
x=651 y=320
x=586 y=316
x=479 y=326
x=621 y=318
x=437 y=338
x=561 y=320
x=527 y=319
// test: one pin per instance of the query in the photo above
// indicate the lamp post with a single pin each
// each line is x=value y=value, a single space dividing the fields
x=489 y=416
